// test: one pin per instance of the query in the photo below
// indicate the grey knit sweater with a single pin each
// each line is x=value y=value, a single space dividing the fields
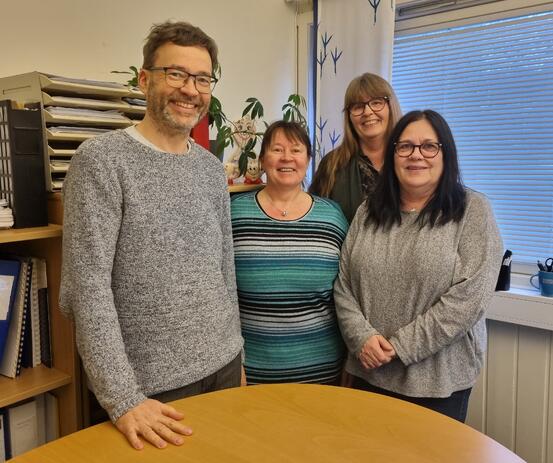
x=424 y=290
x=148 y=268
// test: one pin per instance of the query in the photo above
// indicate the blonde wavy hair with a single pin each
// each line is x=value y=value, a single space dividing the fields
x=361 y=88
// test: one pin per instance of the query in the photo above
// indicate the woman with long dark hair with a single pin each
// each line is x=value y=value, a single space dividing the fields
x=417 y=273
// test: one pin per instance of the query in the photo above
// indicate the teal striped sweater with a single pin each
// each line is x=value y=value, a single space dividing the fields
x=285 y=272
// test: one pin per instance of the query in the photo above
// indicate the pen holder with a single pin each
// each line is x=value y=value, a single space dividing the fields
x=545 y=280
x=504 y=278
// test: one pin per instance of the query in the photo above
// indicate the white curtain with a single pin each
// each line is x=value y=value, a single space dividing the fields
x=353 y=37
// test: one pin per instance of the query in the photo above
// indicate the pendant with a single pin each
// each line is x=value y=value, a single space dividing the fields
x=284 y=213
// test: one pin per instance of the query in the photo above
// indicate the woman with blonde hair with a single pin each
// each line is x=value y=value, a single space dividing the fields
x=348 y=173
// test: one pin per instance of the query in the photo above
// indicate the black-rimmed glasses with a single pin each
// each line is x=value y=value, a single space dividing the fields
x=376 y=104
x=428 y=149
x=177 y=78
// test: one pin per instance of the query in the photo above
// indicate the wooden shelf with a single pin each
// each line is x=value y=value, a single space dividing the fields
x=26 y=234
x=31 y=382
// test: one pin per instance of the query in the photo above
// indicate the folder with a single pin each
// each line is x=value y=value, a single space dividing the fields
x=44 y=314
x=22 y=168
x=52 y=417
x=41 y=419
x=13 y=350
x=47 y=417
x=9 y=277
x=5 y=452
x=25 y=358
x=35 y=314
x=23 y=426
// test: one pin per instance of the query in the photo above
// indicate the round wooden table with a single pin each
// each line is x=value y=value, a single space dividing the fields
x=291 y=423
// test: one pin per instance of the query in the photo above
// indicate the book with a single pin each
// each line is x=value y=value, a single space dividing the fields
x=47 y=418
x=41 y=419
x=35 y=314
x=23 y=427
x=4 y=436
x=13 y=349
x=25 y=358
x=9 y=277
x=44 y=313
x=52 y=423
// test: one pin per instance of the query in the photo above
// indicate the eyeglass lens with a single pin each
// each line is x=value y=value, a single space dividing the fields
x=376 y=104
x=177 y=78
x=428 y=149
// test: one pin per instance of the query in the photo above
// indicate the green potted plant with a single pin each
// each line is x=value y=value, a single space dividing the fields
x=229 y=131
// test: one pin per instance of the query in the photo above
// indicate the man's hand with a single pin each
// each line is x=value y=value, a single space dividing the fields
x=376 y=351
x=156 y=422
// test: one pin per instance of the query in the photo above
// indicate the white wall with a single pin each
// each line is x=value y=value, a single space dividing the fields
x=89 y=38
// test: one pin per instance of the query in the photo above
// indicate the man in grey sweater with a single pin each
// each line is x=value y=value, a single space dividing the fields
x=148 y=266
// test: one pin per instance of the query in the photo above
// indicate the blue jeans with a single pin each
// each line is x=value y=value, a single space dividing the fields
x=455 y=406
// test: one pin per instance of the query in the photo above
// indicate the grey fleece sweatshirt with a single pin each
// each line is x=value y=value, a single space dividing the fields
x=148 y=268
x=426 y=291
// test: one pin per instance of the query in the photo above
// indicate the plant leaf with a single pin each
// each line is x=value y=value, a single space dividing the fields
x=260 y=111
x=243 y=162
x=248 y=108
x=250 y=144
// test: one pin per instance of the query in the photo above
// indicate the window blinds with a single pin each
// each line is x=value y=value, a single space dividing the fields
x=493 y=82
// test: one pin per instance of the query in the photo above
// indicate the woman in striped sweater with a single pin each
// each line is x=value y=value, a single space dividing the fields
x=287 y=247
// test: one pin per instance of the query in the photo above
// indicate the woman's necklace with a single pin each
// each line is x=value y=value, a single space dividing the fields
x=413 y=205
x=283 y=212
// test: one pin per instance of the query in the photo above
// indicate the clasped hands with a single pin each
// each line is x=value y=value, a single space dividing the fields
x=376 y=351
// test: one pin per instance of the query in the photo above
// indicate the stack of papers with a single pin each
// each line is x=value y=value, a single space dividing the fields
x=72 y=129
x=6 y=214
x=97 y=83
x=79 y=112
x=135 y=101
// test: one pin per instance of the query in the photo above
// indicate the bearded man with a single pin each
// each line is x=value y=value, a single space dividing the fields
x=148 y=265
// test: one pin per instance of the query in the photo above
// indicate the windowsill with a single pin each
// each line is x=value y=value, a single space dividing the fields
x=522 y=305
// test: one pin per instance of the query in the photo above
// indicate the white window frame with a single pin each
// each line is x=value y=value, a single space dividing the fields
x=304 y=71
x=431 y=17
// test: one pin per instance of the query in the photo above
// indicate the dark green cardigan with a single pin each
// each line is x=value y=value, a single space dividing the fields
x=348 y=189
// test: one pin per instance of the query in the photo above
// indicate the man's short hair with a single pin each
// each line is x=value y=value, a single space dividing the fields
x=180 y=33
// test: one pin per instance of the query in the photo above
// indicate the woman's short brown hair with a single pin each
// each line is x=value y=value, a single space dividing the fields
x=291 y=130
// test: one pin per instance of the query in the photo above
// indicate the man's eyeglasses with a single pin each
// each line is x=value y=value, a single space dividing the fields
x=429 y=149
x=376 y=104
x=177 y=78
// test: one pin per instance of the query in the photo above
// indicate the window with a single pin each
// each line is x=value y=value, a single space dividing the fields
x=493 y=82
